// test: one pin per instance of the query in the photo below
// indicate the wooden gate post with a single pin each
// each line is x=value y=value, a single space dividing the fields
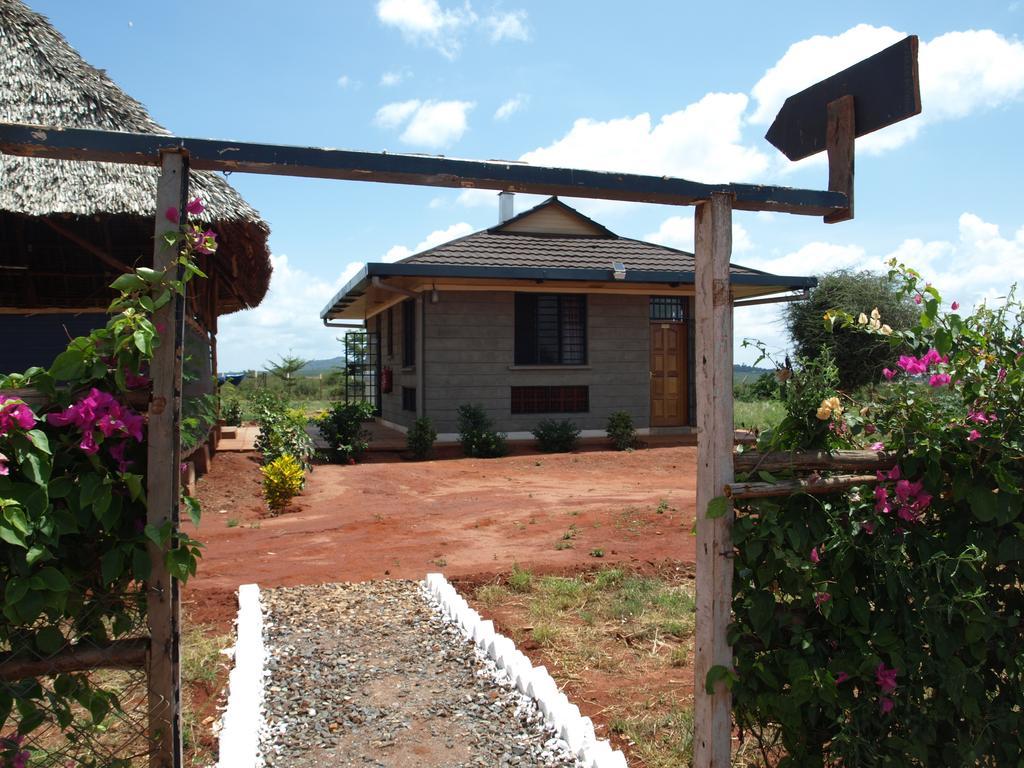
x=163 y=480
x=713 y=246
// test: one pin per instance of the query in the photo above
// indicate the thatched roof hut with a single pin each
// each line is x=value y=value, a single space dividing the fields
x=68 y=228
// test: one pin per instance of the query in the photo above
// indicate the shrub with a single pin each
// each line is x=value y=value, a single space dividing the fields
x=342 y=428
x=621 y=431
x=231 y=413
x=556 y=436
x=477 y=434
x=765 y=387
x=881 y=625
x=421 y=437
x=282 y=431
x=283 y=479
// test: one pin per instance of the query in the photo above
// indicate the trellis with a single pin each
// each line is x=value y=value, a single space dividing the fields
x=847 y=105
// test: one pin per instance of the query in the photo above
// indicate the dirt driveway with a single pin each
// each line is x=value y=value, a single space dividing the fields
x=463 y=517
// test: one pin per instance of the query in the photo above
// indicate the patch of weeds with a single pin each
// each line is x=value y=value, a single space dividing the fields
x=560 y=545
x=544 y=634
x=233 y=522
x=520 y=525
x=201 y=654
x=440 y=562
x=574 y=513
x=663 y=507
x=661 y=733
x=378 y=516
x=491 y=595
x=608 y=578
x=597 y=552
x=680 y=656
x=521 y=580
x=572 y=532
x=533 y=520
x=255 y=524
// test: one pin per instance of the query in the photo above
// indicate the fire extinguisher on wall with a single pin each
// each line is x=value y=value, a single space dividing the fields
x=386 y=380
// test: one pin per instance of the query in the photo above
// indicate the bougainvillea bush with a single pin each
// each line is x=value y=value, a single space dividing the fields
x=883 y=625
x=73 y=530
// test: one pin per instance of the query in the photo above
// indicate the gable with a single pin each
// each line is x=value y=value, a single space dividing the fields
x=552 y=219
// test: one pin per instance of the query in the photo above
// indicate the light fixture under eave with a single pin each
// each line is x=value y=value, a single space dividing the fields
x=434 y=295
x=618 y=270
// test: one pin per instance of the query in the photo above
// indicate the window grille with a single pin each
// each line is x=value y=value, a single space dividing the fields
x=551 y=329
x=668 y=309
x=567 y=399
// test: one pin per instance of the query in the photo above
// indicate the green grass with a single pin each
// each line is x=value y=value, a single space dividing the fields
x=757 y=414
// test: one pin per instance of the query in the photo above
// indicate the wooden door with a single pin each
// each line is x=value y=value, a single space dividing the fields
x=669 y=406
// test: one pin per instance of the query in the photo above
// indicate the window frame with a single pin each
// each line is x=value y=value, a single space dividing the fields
x=409 y=333
x=527 y=320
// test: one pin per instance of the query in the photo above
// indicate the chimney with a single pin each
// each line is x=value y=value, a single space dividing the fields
x=506 y=206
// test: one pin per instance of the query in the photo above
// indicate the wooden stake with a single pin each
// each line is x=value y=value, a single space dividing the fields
x=117 y=654
x=750 y=461
x=819 y=487
x=839 y=141
x=164 y=456
x=713 y=238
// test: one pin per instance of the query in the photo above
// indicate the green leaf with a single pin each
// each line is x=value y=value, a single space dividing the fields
x=87 y=487
x=60 y=487
x=141 y=342
x=54 y=579
x=111 y=565
x=716 y=674
x=141 y=566
x=193 y=507
x=134 y=484
x=68 y=365
x=158 y=536
x=15 y=516
x=39 y=440
x=983 y=503
x=147 y=303
x=128 y=282
x=717 y=507
x=49 y=640
x=151 y=276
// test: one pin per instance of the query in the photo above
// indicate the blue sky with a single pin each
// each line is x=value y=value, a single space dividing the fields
x=673 y=88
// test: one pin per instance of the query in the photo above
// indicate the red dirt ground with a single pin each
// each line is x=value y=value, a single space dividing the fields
x=387 y=518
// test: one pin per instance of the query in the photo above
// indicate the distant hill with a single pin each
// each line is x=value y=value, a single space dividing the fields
x=316 y=367
x=745 y=373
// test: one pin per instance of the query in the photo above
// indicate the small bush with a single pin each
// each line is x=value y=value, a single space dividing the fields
x=421 y=437
x=231 y=412
x=556 y=436
x=282 y=431
x=621 y=431
x=521 y=580
x=477 y=435
x=283 y=478
x=342 y=428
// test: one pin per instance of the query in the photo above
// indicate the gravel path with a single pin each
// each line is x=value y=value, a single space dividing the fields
x=370 y=675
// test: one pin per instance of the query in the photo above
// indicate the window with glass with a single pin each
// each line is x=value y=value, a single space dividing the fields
x=551 y=329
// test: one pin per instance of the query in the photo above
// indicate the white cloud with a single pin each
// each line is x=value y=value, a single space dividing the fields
x=508 y=26
x=677 y=232
x=390 y=79
x=286 y=322
x=394 y=114
x=510 y=106
x=432 y=124
x=426 y=22
x=437 y=237
x=344 y=81
x=960 y=72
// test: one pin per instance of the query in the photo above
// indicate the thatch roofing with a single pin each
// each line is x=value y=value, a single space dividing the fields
x=44 y=81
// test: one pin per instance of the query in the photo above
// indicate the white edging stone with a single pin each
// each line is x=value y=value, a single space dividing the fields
x=535 y=682
x=243 y=718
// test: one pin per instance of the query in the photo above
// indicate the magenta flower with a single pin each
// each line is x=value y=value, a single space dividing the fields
x=206 y=243
x=195 y=207
x=815 y=557
x=912 y=365
x=101 y=411
x=842 y=677
x=117 y=453
x=905 y=490
x=889 y=374
x=172 y=214
x=932 y=357
x=135 y=380
x=4 y=470
x=14 y=413
x=978 y=417
x=1001 y=375
x=917 y=298
x=973 y=435
x=877 y=446
x=868 y=527
x=955 y=306
x=939 y=379
x=885 y=705
x=821 y=598
x=886 y=677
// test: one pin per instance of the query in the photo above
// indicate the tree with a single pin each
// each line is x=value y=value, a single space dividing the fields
x=286 y=368
x=860 y=357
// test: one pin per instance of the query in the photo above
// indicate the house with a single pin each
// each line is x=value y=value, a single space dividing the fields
x=68 y=229
x=549 y=314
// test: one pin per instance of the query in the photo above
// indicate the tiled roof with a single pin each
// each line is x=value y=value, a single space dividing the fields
x=513 y=249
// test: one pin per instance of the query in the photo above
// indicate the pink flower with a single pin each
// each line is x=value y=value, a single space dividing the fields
x=885 y=705
x=135 y=380
x=939 y=379
x=195 y=207
x=868 y=527
x=172 y=214
x=3 y=465
x=886 y=677
x=905 y=489
x=206 y=243
x=877 y=446
x=955 y=306
x=912 y=365
x=821 y=598
x=14 y=413
x=894 y=473
x=101 y=411
x=889 y=374
x=88 y=443
x=978 y=417
x=842 y=677
x=973 y=435
x=815 y=557
x=1001 y=375
x=870 y=429
x=932 y=357
x=117 y=453
x=917 y=298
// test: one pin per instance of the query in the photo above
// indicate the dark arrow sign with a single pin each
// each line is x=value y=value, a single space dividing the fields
x=885 y=90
